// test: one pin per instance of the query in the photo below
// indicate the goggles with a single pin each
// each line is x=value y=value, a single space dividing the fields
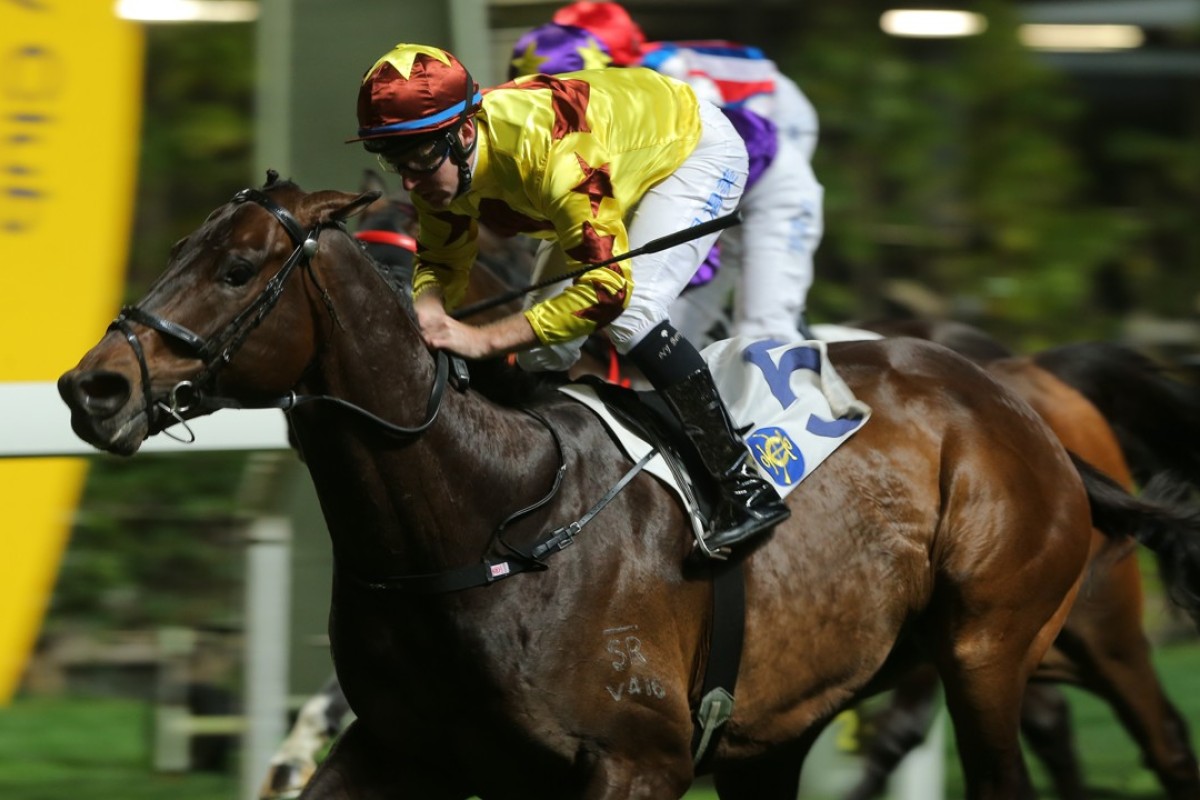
x=419 y=159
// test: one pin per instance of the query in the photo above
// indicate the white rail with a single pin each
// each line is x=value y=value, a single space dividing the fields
x=36 y=422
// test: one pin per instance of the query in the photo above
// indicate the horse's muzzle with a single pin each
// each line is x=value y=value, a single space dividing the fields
x=98 y=393
x=101 y=412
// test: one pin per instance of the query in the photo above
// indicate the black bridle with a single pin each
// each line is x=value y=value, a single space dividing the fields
x=215 y=352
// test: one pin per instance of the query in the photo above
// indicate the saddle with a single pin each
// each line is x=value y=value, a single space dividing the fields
x=647 y=416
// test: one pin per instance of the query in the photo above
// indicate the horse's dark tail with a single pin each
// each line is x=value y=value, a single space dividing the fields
x=1156 y=419
x=1158 y=519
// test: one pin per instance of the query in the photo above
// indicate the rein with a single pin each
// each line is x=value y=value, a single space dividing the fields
x=218 y=351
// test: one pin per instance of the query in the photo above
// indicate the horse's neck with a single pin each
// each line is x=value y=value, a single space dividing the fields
x=413 y=503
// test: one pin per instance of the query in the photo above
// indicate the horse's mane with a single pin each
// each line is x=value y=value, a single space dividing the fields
x=494 y=378
x=508 y=385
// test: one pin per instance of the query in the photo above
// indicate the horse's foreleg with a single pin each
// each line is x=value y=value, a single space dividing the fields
x=899 y=729
x=360 y=767
x=774 y=777
x=292 y=766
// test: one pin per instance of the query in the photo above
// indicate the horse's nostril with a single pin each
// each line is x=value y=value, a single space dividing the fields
x=103 y=392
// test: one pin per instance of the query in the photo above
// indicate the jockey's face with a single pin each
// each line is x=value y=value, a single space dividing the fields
x=439 y=186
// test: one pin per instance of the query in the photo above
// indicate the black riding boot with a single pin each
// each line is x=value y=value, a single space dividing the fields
x=748 y=504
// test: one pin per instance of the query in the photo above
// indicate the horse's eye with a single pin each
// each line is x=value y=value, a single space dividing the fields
x=238 y=273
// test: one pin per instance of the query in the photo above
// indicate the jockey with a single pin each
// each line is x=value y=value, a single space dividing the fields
x=594 y=163
x=783 y=202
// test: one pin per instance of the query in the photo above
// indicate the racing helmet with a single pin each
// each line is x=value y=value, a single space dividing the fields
x=414 y=90
x=611 y=23
x=553 y=48
x=411 y=104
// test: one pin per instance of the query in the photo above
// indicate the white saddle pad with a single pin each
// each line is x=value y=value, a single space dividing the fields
x=798 y=410
x=796 y=406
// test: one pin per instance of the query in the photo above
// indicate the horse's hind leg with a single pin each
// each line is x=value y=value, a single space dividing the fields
x=990 y=631
x=984 y=700
x=1106 y=643
x=359 y=767
x=1046 y=724
x=899 y=728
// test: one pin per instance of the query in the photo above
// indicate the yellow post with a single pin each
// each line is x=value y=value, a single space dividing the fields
x=70 y=102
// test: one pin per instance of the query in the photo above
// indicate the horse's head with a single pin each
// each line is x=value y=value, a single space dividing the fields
x=246 y=277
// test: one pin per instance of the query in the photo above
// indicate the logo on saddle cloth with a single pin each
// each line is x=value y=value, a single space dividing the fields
x=777 y=455
x=797 y=407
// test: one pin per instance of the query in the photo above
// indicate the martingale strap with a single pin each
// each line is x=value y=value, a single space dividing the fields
x=491 y=570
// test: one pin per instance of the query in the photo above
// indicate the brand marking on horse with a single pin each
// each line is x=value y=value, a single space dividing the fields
x=627 y=654
x=650 y=687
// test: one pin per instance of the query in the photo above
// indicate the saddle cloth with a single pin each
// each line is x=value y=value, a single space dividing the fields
x=789 y=398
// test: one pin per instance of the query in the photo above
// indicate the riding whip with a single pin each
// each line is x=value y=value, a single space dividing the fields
x=652 y=246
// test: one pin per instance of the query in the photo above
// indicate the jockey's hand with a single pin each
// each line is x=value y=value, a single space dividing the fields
x=441 y=331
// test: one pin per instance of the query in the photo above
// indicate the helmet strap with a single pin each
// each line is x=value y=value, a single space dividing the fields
x=462 y=158
x=460 y=154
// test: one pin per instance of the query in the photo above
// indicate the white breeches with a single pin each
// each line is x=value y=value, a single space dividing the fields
x=770 y=256
x=708 y=184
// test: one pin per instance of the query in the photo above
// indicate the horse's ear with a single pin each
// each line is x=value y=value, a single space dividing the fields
x=357 y=205
x=372 y=181
x=333 y=206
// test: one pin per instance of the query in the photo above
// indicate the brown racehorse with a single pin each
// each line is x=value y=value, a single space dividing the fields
x=1102 y=647
x=952 y=527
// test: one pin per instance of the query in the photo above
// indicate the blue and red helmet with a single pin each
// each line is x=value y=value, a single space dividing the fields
x=414 y=90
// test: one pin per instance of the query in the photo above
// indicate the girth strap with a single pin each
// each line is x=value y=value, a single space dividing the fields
x=724 y=657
